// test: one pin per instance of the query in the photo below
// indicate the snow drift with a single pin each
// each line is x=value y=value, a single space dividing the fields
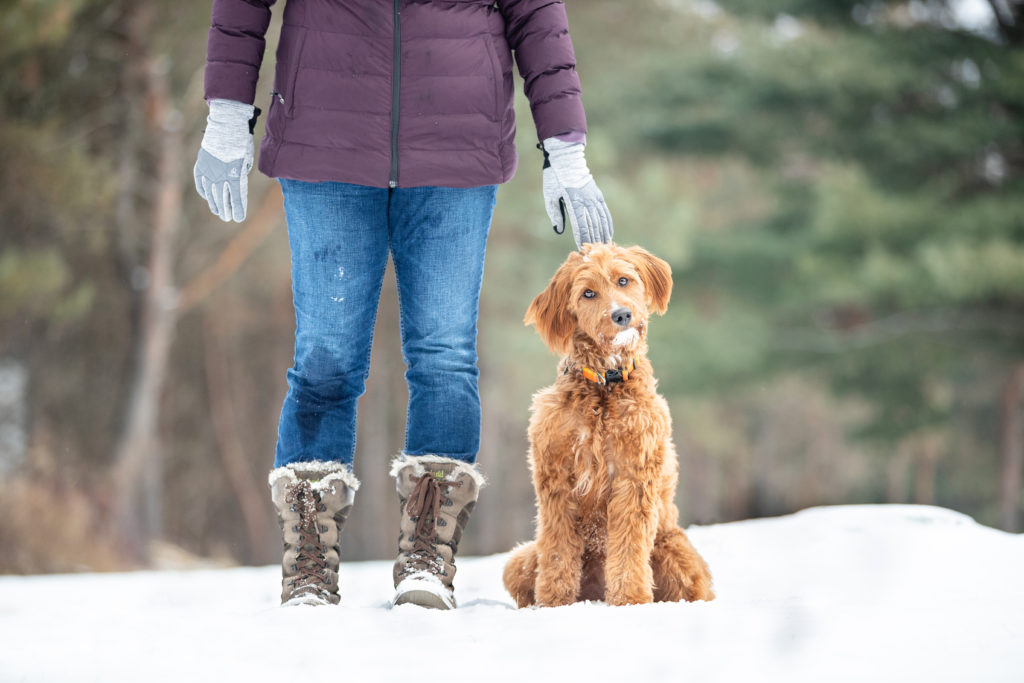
x=858 y=593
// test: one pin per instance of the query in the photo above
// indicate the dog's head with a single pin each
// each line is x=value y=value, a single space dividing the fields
x=605 y=292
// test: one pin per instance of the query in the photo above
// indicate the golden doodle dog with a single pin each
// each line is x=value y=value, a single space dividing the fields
x=601 y=453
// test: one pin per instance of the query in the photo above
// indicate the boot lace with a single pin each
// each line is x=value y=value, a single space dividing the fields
x=311 y=554
x=424 y=507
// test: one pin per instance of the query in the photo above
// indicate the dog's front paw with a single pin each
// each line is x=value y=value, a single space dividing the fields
x=551 y=594
x=559 y=602
x=630 y=595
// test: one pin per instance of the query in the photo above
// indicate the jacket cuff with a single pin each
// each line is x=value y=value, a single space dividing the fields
x=573 y=136
x=230 y=81
x=558 y=115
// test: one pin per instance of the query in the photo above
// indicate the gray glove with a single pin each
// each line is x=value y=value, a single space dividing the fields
x=570 y=191
x=225 y=158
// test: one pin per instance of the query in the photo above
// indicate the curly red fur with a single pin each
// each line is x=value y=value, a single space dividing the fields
x=603 y=462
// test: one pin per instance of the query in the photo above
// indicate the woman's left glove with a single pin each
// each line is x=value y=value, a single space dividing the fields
x=570 y=192
x=225 y=158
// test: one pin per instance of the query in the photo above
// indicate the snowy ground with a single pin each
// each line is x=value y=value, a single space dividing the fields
x=865 y=593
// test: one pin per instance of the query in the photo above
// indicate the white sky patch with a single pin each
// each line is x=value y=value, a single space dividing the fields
x=787 y=28
x=705 y=9
x=975 y=15
x=993 y=167
x=725 y=43
x=967 y=72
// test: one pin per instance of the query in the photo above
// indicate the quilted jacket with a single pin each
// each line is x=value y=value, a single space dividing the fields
x=397 y=93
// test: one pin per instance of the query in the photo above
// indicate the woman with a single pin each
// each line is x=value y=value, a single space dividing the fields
x=390 y=126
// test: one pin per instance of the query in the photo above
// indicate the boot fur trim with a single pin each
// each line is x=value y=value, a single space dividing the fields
x=417 y=461
x=333 y=472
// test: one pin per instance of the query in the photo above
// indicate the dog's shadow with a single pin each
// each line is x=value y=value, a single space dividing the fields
x=479 y=602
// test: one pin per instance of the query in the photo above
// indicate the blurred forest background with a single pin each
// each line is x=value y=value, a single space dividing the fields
x=838 y=185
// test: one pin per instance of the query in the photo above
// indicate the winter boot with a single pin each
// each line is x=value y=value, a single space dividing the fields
x=437 y=496
x=313 y=500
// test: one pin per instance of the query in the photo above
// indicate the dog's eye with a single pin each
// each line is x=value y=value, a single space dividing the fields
x=589 y=294
x=623 y=281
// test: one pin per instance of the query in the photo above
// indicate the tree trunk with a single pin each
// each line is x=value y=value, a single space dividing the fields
x=506 y=518
x=1012 y=450
x=897 y=473
x=928 y=449
x=251 y=495
x=1009 y=16
x=138 y=477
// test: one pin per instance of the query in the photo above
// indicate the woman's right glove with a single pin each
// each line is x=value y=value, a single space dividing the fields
x=225 y=158
x=571 y=193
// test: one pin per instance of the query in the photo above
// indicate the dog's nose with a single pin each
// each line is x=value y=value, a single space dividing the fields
x=622 y=316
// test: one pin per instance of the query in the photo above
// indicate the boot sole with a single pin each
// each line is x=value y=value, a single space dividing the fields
x=422 y=599
x=423 y=593
x=308 y=600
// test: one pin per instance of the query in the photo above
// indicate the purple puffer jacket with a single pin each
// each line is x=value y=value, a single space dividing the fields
x=398 y=93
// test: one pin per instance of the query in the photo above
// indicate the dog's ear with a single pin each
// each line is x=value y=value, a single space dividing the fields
x=656 y=276
x=550 y=309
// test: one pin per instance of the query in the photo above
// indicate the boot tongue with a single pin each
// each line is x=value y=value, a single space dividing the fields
x=312 y=475
x=425 y=501
x=424 y=507
x=311 y=554
x=305 y=500
x=439 y=472
x=423 y=495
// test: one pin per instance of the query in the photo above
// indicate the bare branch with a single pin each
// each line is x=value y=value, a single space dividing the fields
x=248 y=492
x=268 y=216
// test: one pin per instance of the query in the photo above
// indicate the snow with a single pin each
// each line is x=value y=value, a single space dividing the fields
x=626 y=337
x=854 y=593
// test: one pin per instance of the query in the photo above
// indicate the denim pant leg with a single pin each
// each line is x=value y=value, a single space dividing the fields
x=338 y=234
x=438 y=238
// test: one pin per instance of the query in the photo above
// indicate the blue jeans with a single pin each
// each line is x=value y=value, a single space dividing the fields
x=340 y=236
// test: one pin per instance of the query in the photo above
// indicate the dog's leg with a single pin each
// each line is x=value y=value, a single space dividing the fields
x=632 y=523
x=520 y=575
x=680 y=573
x=559 y=547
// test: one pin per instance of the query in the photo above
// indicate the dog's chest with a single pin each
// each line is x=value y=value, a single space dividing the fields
x=615 y=434
x=598 y=458
x=605 y=425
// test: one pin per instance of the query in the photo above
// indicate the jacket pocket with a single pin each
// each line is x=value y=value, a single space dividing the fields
x=498 y=74
x=286 y=72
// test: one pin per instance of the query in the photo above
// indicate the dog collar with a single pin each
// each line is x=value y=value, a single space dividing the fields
x=607 y=377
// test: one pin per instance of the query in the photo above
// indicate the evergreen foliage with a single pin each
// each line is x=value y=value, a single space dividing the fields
x=891 y=140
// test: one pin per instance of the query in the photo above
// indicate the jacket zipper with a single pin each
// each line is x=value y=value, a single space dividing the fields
x=396 y=81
